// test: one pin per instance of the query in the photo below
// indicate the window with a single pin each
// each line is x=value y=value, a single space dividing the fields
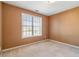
x=31 y=25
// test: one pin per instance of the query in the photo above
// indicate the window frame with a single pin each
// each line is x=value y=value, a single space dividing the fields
x=40 y=26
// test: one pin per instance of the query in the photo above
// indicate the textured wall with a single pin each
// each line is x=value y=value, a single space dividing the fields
x=65 y=26
x=12 y=27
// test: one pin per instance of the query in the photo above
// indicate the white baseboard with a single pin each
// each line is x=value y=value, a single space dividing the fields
x=21 y=46
x=66 y=44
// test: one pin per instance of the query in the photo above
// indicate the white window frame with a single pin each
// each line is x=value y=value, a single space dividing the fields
x=40 y=19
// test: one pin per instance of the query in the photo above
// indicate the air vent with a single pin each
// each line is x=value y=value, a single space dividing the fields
x=37 y=10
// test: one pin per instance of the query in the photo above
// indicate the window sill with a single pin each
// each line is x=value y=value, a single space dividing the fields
x=32 y=37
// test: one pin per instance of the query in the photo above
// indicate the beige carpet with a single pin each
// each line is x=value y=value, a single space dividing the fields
x=44 y=49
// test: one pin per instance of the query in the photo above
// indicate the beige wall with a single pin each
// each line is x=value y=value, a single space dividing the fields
x=12 y=27
x=64 y=26
x=0 y=24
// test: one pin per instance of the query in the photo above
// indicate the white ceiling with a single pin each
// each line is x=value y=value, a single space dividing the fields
x=44 y=7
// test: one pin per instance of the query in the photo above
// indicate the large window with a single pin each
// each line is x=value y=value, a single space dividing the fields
x=31 y=25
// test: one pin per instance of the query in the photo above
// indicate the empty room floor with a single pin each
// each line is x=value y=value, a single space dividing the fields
x=44 y=48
